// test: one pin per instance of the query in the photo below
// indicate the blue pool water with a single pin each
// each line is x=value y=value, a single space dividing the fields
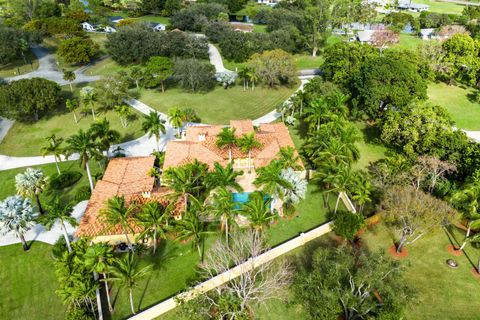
x=241 y=198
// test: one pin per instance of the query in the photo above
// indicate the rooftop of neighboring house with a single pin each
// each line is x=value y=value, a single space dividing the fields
x=200 y=143
x=128 y=177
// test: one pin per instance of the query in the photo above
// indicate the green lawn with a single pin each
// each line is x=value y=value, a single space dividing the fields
x=219 y=106
x=442 y=7
x=442 y=292
x=408 y=41
x=305 y=61
x=104 y=67
x=62 y=124
x=457 y=101
x=370 y=147
x=28 y=284
x=19 y=67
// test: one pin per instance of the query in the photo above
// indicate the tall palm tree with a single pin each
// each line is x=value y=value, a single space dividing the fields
x=154 y=220
x=89 y=98
x=223 y=177
x=98 y=258
x=257 y=210
x=361 y=190
x=154 y=126
x=17 y=215
x=192 y=228
x=247 y=143
x=176 y=116
x=100 y=130
x=341 y=181
x=467 y=201
x=315 y=112
x=221 y=205
x=287 y=158
x=58 y=211
x=124 y=112
x=253 y=77
x=31 y=183
x=83 y=144
x=243 y=74
x=70 y=77
x=72 y=105
x=227 y=138
x=270 y=180
x=54 y=147
x=127 y=273
x=117 y=213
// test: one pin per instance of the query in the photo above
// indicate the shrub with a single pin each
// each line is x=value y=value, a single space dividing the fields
x=65 y=180
x=83 y=193
x=59 y=247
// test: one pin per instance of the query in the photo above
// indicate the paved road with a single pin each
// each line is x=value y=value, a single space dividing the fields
x=5 y=125
x=48 y=69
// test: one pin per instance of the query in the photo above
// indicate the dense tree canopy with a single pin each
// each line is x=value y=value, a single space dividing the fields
x=77 y=50
x=194 y=75
x=14 y=43
x=196 y=17
x=29 y=99
x=274 y=67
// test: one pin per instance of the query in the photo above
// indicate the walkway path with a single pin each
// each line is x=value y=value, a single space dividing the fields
x=38 y=233
x=47 y=68
x=5 y=125
x=233 y=273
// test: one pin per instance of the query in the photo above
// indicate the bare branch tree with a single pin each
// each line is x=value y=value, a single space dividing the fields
x=384 y=38
x=435 y=169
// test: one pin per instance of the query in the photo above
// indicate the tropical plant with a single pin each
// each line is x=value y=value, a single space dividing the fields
x=257 y=210
x=154 y=126
x=31 y=183
x=54 y=148
x=154 y=220
x=88 y=97
x=223 y=177
x=83 y=144
x=227 y=138
x=116 y=213
x=176 y=116
x=58 y=211
x=346 y=224
x=17 y=215
x=70 y=77
x=100 y=130
x=297 y=186
x=127 y=273
x=247 y=143
x=467 y=202
x=288 y=158
x=269 y=179
x=124 y=112
x=72 y=105
x=221 y=205
x=98 y=258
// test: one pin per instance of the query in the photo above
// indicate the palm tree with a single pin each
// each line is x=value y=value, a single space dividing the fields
x=341 y=181
x=72 y=105
x=30 y=184
x=124 y=112
x=315 y=113
x=257 y=210
x=223 y=177
x=243 y=74
x=227 y=137
x=270 y=180
x=116 y=213
x=247 y=143
x=127 y=273
x=288 y=158
x=98 y=258
x=192 y=228
x=17 y=215
x=54 y=148
x=89 y=98
x=176 y=116
x=57 y=211
x=85 y=145
x=154 y=126
x=100 y=130
x=154 y=220
x=252 y=76
x=70 y=77
x=221 y=205
x=361 y=190
x=467 y=201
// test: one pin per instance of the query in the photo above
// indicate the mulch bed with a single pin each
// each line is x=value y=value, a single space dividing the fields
x=393 y=252
x=475 y=273
x=454 y=250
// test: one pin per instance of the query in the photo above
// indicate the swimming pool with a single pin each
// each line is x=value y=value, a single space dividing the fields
x=241 y=198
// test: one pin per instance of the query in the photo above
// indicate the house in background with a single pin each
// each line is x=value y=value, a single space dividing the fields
x=428 y=34
x=242 y=27
x=270 y=3
x=157 y=26
x=87 y=27
x=128 y=177
x=414 y=7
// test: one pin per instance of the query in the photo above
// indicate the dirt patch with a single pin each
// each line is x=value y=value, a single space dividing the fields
x=475 y=273
x=454 y=250
x=393 y=252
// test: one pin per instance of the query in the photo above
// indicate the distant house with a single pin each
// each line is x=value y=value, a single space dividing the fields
x=88 y=27
x=242 y=27
x=106 y=29
x=427 y=34
x=365 y=36
x=157 y=26
x=415 y=7
x=115 y=19
x=268 y=2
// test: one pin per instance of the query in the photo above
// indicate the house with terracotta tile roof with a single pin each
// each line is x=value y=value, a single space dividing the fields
x=199 y=142
x=128 y=177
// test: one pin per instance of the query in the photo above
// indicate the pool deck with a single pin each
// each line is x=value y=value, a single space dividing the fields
x=246 y=181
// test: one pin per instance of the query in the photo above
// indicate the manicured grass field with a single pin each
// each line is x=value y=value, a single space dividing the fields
x=104 y=67
x=370 y=147
x=442 y=7
x=442 y=292
x=29 y=284
x=408 y=41
x=458 y=101
x=19 y=67
x=307 y=61
x=219 y=106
